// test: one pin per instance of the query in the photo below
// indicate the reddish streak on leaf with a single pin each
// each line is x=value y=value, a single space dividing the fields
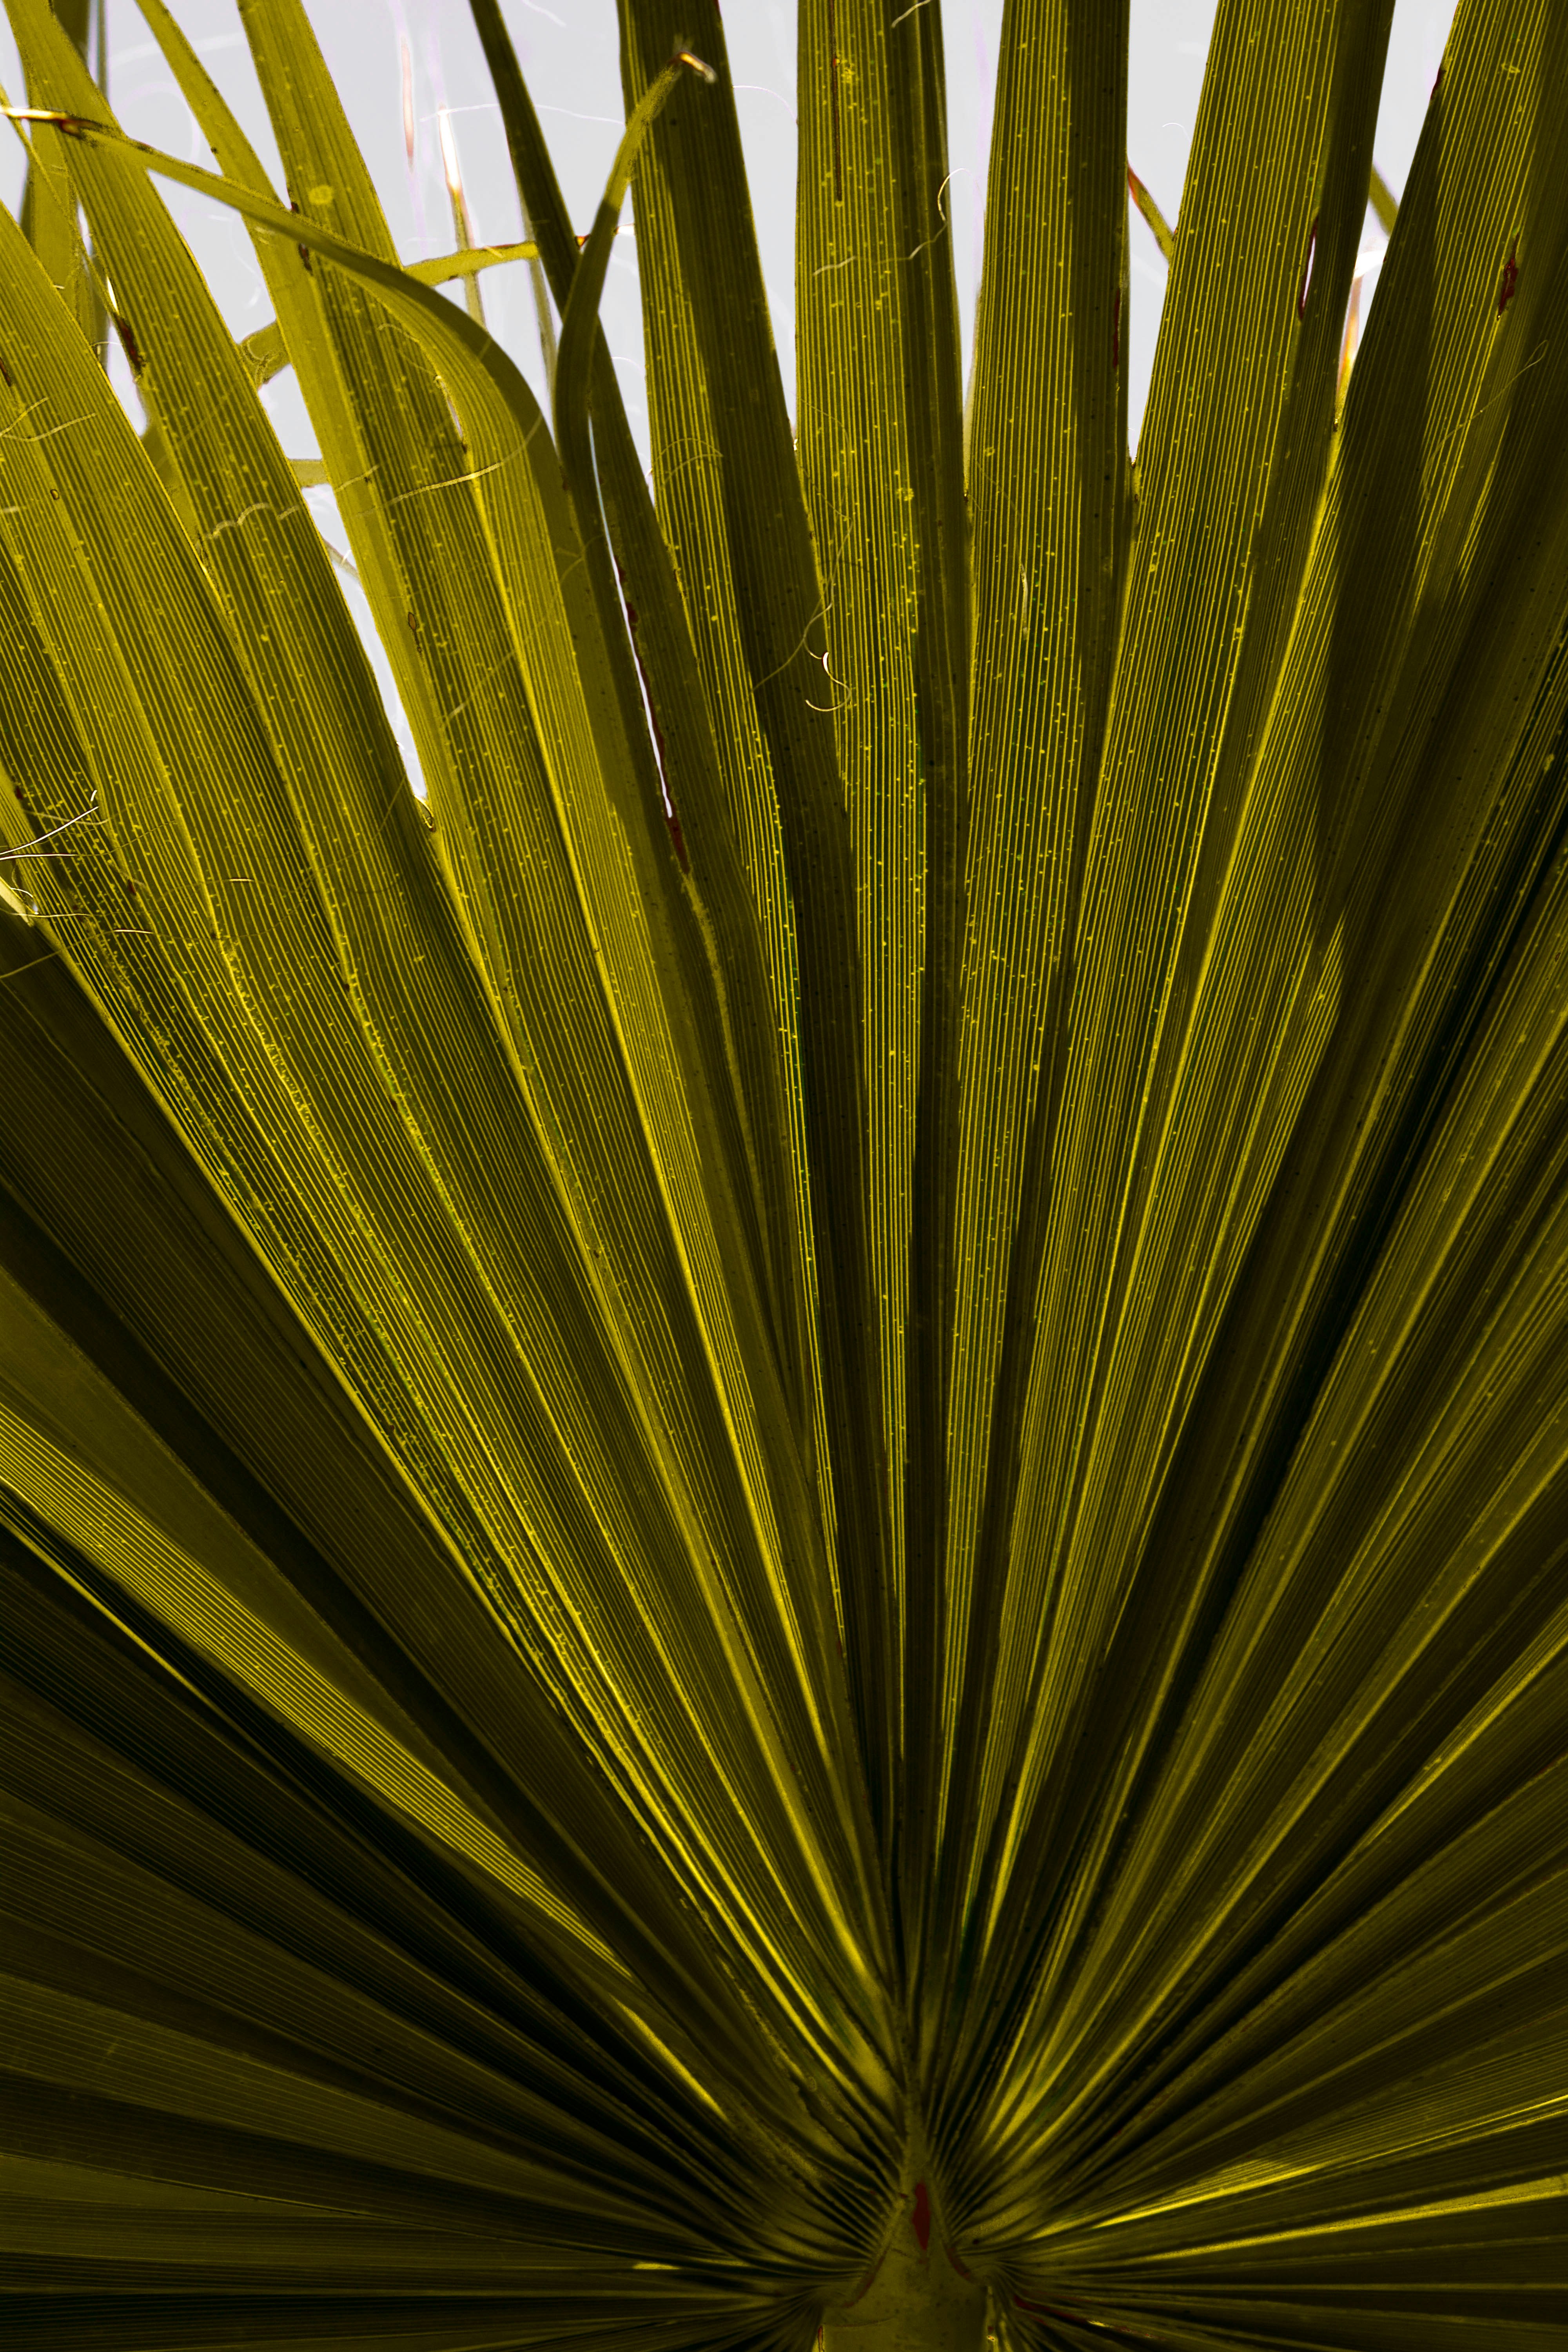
x=1510 y=280
x=1306 y=273
x=957 y=2265
x=1116 y=331
x=128 y=344
x=921 y=2218
x=5 y=372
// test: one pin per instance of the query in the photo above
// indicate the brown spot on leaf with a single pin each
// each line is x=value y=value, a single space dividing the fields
x=1509 y=279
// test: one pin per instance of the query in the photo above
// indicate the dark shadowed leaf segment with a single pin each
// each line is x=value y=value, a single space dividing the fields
x=784 y=1492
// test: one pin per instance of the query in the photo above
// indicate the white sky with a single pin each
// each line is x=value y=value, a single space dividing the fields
x=568 y=52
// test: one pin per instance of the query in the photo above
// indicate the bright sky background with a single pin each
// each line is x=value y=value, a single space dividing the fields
x=568 y=52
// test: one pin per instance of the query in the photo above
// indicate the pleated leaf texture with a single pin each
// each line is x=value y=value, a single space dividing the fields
x=784 y=1485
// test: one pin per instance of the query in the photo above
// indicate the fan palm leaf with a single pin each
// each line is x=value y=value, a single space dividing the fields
x=783 y=1484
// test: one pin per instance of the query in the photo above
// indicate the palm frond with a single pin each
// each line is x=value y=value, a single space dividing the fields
x=782 y=1485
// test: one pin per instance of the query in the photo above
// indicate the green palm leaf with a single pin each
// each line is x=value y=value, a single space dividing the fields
x=782 y=1488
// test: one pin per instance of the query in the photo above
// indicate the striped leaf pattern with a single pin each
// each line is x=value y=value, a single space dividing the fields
x=783 y=1471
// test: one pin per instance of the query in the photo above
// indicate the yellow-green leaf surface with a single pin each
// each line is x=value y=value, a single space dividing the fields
x=880 y=457
x=783 y=1484
x=48 y=212
x=694 y=200
x=413 y=1121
